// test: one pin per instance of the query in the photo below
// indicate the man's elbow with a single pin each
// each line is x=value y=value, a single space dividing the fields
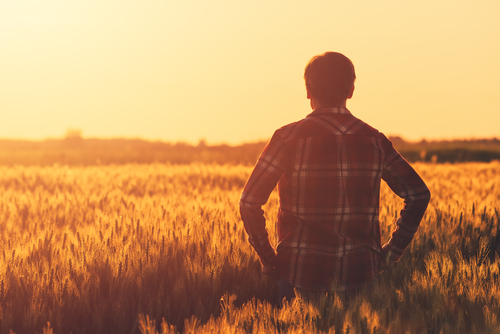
x=420 y=198
x=424 y=197
x=249 y=206
x=427 y=194
x=245 y=204
x=422 y=192
x=243 y=201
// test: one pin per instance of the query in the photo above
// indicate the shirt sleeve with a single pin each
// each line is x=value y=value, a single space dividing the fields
x=265 y=175
x=407 y=184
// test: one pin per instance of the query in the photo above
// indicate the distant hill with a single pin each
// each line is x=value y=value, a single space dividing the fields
x=74 y=150
x=79 y=151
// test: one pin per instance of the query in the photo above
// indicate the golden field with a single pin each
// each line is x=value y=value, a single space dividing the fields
x=161 y=248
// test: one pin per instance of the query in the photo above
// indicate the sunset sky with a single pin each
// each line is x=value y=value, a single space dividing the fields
x=232 y=71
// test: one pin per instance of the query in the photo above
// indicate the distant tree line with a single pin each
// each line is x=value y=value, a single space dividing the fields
x=77 y=151
x=481 y=150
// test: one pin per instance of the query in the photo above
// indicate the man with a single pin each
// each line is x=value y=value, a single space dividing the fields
x=328 y=167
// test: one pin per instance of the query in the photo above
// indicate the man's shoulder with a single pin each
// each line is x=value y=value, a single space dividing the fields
x=293 y=130
x=368 y=129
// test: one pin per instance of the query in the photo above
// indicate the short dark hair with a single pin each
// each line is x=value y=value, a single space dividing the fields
x=329 y=78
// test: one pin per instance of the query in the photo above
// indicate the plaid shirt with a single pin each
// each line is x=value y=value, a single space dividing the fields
x=328 y=168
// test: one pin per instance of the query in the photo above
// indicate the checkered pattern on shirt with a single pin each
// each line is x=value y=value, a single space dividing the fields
x=328 y=168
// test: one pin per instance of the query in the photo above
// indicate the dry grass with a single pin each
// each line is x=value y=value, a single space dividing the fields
x=154 y=248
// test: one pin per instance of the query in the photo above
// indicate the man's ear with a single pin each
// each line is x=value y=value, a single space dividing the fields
x=351 y=92
x=308 y=94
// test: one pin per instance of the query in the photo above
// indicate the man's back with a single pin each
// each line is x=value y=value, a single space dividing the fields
x=328 y=168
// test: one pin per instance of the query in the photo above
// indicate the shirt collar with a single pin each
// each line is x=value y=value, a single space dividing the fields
x=330 y=110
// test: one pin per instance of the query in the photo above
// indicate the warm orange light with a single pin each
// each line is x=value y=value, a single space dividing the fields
x=232 y=72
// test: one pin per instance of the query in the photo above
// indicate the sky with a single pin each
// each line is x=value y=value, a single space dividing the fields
x=231 y=71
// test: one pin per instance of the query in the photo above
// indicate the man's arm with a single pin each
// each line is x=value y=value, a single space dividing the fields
x=265 y=176
x=407 y=184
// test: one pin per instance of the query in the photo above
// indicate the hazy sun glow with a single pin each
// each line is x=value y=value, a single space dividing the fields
x=231 y=71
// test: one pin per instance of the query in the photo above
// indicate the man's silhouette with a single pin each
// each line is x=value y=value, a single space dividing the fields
x=328 y=167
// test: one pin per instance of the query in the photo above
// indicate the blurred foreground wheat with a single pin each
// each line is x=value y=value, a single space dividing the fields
x=159 y=248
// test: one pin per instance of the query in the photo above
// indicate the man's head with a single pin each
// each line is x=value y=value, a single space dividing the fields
x=330 y=79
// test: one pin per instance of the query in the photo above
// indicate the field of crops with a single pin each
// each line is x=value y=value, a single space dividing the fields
x=161 y=248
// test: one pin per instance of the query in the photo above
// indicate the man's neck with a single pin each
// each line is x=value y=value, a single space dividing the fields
x=315 y=104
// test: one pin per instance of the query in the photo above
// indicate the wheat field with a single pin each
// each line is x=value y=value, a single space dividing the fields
x=158 y=248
